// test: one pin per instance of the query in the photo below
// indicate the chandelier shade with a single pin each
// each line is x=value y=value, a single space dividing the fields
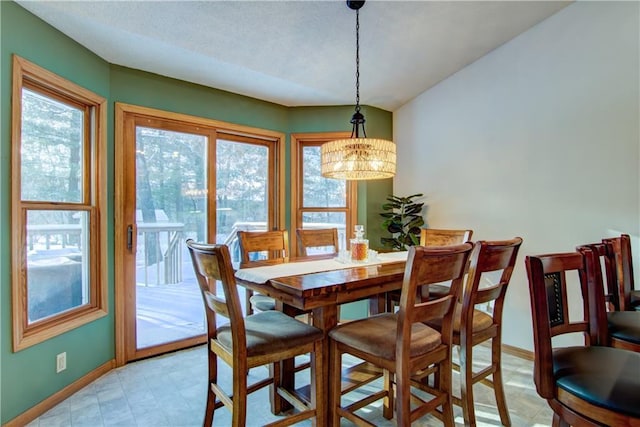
x=358 y=158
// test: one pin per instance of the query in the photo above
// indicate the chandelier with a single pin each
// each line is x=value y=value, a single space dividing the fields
x=358 y=157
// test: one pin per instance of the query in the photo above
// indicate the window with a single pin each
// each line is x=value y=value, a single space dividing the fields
x=319 y=202
x=58 y=190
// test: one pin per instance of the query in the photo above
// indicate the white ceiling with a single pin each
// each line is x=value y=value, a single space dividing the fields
x=297 y=53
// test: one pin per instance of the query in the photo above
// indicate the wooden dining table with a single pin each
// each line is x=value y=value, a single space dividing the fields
x=321 y=293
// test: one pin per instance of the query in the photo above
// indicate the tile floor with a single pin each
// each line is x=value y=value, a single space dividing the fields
x=169 y=390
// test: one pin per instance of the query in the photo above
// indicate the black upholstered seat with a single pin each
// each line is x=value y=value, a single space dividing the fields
x=603 y=376
x=634 y=298
x=625 y=326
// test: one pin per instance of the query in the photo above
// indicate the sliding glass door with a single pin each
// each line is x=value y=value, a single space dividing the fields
x=182 y=181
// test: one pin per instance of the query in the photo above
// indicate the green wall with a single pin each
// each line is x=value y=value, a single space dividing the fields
x=27 y=377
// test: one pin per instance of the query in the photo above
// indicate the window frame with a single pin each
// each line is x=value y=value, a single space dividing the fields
x=298 y=143
x=93 y=201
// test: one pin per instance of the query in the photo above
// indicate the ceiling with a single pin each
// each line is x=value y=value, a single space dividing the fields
x=297 y=53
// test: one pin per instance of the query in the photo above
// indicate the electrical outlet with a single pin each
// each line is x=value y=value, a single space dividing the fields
x=61 y=362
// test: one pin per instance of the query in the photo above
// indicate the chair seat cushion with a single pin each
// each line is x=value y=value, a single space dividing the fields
x=625 y=326
x=262 y=302
x=635 y=298
x=603 y=376
x=271 y=331
x=376 y=335
x=481 y=320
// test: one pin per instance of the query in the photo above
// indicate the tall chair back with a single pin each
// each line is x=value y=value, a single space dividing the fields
x=265 y=247
x=262 y=248
x=326 y=239
x=626 y=297
x=435 y=237
x=550 y=308
x=443 y=237
x=212 y=263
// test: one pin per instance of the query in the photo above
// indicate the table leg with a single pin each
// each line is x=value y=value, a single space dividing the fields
x=325 y=318
x=377 y=304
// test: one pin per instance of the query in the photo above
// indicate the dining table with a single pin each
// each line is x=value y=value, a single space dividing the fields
x=319 y=285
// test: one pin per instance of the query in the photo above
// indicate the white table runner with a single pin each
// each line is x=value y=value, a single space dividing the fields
x=265 y=273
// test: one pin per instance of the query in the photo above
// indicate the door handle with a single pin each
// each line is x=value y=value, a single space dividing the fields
x=129 y=237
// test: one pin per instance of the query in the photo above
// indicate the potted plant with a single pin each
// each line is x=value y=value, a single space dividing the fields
x=403 y=219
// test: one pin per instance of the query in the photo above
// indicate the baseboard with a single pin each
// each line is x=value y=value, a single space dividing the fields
x=518 y=352
x=51 y=401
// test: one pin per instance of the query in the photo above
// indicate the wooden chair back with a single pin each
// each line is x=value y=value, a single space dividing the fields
x=212 y=263
x=273 y=246
x=441 y=237
x=488 y=257
x=435 y=237
x=620 y=252
x=317 y=238
x=547 y=276
x=623 y=327
x=426 y=266
x=605 y=271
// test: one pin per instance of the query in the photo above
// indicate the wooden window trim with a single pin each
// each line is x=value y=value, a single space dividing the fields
x=93 y=200
x=298 y=141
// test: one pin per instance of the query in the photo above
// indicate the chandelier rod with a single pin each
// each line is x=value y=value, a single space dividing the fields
x=357 y=120
x=357 y=60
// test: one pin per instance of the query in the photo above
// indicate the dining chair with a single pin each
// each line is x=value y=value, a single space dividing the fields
x=402 y=344
x=586 y=384
x=264 y=338
x=434 y=237
x=628 y=298
x=262 y=248
x=472 y=327
x=444 y=237
x=325 y=240
x=623 y=327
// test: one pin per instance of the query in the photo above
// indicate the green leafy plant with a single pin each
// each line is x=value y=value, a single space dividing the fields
x=403 y=219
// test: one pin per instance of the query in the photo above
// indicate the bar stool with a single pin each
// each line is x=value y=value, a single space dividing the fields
x=402 y=344
x=472 y=326
x=623 y=327
x=584 y=385
x=265 y=338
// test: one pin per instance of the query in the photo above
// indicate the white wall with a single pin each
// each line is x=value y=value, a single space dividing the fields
x=539 y=139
